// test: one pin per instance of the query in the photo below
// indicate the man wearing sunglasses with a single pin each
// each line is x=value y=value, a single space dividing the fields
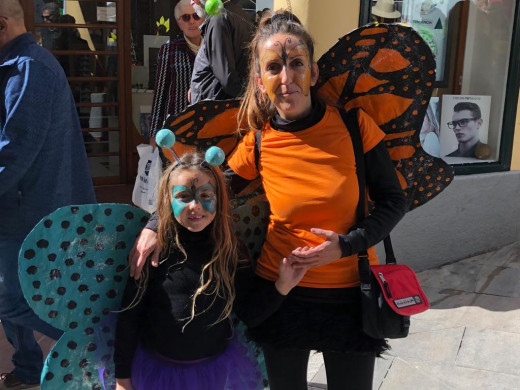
x=50 y=14
x=466 y=122
x=220 y=69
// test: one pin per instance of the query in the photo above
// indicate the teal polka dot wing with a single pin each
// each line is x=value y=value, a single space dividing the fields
x=73 y=270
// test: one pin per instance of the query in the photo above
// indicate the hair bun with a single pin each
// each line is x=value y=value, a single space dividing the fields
x=280 y=16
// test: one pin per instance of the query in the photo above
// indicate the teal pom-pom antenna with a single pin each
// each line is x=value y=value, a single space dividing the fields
x=213 y=7
x=215 y=156
x=165 y=138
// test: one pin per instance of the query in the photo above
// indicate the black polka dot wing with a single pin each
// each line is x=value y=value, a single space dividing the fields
x=389 y=71
x=73 y=270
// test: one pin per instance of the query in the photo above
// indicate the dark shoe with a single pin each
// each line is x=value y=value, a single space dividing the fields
x=9 y=381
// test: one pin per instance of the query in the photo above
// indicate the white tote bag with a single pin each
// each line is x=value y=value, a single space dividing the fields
x=148 y=175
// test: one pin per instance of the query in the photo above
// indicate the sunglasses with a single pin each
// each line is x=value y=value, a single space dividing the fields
x=187 y=17
x=47 y=17
x=462 y=123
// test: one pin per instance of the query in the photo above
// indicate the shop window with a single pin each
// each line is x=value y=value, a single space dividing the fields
x=471 y=115
x=82 y=34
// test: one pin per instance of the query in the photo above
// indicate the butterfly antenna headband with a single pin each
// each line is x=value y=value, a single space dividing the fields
x=165 y=139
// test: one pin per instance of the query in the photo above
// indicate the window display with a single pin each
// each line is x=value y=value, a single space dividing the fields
x=471 y=42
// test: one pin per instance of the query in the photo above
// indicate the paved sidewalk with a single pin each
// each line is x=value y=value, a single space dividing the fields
x=469 y=339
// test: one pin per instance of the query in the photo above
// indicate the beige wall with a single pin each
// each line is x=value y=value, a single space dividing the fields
x=326 y=20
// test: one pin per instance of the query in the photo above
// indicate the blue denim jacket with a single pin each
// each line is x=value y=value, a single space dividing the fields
x=43 y=163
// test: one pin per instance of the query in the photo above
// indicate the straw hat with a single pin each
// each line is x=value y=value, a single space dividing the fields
x=385 y=9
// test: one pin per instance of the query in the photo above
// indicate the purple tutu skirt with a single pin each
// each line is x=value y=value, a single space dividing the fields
x=234 y=369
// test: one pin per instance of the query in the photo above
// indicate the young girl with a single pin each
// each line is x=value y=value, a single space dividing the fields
x=175 y=329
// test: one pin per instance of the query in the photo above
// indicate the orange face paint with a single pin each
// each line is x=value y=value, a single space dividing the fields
x=285 y=66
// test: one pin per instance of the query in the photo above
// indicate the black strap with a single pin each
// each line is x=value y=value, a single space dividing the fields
x=350 y=118
x=258 y=144
x=389 y=251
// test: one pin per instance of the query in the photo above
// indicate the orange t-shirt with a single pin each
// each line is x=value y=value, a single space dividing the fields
x=309 y=177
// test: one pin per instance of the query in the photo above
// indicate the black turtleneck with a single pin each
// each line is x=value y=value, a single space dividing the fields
x=165 y=308
x=316 y=115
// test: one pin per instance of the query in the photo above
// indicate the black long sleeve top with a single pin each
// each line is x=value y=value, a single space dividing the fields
x=157 y=320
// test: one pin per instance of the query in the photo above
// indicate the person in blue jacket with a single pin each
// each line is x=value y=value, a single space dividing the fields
x=43 y=166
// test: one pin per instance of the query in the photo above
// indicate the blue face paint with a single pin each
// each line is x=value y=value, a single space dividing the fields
x=184 y=196
x=206 y=196
x=179 y=201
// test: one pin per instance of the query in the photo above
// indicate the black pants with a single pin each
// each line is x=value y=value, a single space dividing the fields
x=287 y=369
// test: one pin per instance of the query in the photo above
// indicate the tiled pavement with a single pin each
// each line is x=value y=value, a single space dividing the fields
x=468 y=340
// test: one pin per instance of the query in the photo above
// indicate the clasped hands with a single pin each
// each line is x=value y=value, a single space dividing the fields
x=322 y=254
x=293 y=267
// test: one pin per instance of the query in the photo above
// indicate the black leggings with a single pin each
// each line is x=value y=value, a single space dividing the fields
x=287 y=369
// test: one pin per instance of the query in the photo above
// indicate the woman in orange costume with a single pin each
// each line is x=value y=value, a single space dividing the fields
x=307 y=166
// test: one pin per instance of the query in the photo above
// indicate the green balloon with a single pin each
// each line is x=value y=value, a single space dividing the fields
x=213 y=7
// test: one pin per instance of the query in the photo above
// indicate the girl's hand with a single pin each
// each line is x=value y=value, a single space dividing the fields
x=288 y=276
x=124 y=384
x=319 y=255
x=146 y=245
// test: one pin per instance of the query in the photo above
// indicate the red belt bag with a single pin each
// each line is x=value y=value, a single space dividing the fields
x=400 y=288
x=390 y=294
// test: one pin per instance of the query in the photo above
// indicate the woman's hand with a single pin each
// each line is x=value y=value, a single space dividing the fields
x=124 y=384
x=145 y=246
x=288 y=276
x=319 y=255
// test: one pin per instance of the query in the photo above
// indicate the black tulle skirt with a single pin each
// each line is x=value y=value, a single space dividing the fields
x=318 y=319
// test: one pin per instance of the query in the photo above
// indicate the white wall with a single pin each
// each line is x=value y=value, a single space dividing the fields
x=474 y=214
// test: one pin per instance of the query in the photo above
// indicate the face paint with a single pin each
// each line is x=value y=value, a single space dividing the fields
x=206 y=196
x=179 y=202
x=183 y=196
x=283 y=52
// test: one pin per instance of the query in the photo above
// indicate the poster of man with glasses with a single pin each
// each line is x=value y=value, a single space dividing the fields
x=464 y=125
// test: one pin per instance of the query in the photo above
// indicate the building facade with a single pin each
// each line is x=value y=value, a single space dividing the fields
x=108 y=51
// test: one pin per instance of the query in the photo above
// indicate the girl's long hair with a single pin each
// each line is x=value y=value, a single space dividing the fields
x=218 y=273
x=257 y=109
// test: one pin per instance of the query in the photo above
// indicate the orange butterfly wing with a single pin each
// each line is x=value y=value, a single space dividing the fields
x=204 y=124
x=389 y=71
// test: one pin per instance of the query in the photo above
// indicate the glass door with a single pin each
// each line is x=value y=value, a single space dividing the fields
x=87 y=38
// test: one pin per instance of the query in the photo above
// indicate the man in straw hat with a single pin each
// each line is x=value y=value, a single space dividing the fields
x=384 y=12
